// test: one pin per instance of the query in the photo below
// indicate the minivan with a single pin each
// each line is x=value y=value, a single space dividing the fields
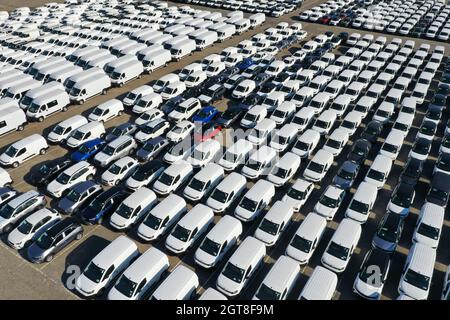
x=255 y=201
x=318 y=166
x=262 y=132
x=241 y=266
x=306 y=238
x=133 y=208
x=181 y=284
x=137 y=280
x=236 y=154
x=306 y=143
x=218 y=241
x=190 y=228
x=173 y=177
x=341 y=246
x=226 y=192
x=106 y=111
x=87 y=132
x=106 y=266
x=203 y=182
x=162 y=217
x=284 y=137
x=276 y=220
x=23 y=150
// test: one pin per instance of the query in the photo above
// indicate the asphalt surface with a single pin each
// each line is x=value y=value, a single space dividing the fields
x=23 y=280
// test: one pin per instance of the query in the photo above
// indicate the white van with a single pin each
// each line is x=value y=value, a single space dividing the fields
x=5 y=179
x=106 y=266
x=379 y=171
x=226 y=31
x=259 y=162
x=429 y=225
x=284 y=138
x=173 y=177
x=236 y=154
x=321 y=285
x=154 y=60
x=133 y=208
x=306 y=238
x=318 y=166
x=48 y=104
x=285 y=168
x=90 y=87
x=362 y=202
x=341 y=246
x=262 y=132
x=106 y=111
x=19 y=90
x=162 y=217
x=140 y=276
x=303 y=118
x=306 y=143
x=257 y=19
x=222 y=237
x=190 y=228
x=242 y=25
x=212 y=294
x=12 y=118
x=418 y=272
x=134 y=95
x=276 y=220
x=279 y=282
x=203 y=182
x=336 y=141
x=392 y=145
x=29 y=97
x=244 y=262
x=182 y=48
x=181 y=284
x=255 y=201
x=324 y=122
x=126 y=72
x=147 y=102
x=23 y=150
x=86 y=132
x=64 y=129
x=226 y=192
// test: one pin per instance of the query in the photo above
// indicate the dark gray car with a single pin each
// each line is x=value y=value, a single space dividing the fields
x=152 y=148
x=54 y=239
x=121 y=130
x=78 y=195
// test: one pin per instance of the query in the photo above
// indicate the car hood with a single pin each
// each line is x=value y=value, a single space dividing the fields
x=205 y=258
x=231 y=287
x=16 y=237
x=383 y=244
x=78 y=156
x=265 y=237
x=35 y=252
x=108 y=176
x=66 y=204
x=4 y=158
x=102 y=157
x=55 y=187
x=412 y=291
x=367 y=290
x=333 y=261
x=118 y=221
x=176 y=244
x=114 y=294
x=86 y=286
x=292 y=202
x=193 y=194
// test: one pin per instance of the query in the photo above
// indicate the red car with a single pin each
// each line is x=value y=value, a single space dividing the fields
x=325 y=19
x=206 y=132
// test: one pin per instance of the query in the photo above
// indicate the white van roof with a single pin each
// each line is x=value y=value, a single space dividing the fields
x=346 y=232
x=199 y=212
x=34 y=138
x=231 y=181
x=145 y=264
x=226 y=223
x=278 y=212
x=177 y=167
x=244 y=254
x=311 y=225
x=280 y=274
x=321 y=285
x=258 y=189
x=209 y=170
x=180 y=279
x=168 y=204
x=138 y=196
x=122 y=245
x=422 y=258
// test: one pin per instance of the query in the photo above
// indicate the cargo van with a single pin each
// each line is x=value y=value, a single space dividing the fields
x=236 y=154
x=85 y=59
x=182 y=49
x=11 y=119
x=226 y=192
x=242 y=25
x=318 y=166
x=5 y=181
x=133 y=208
x=134 y=95
x=106 y=266
x=162 y=217
x=306 y=238
x=276 y=220
x=285 y=168
x=14 y=81
x=155 y=60
x=62 y=75
x=336 y=141
x=62 y=130
x=74 y=56
x=225 y=32
x=306 y=143
x=203 y=182
x=417 y=274
x=19 y=90
x=303 y=118
x=126 y=72
x=28 y=98
x=341 y=246
x=362 y=202
x=44 y=73
x=87 y=132
x=321 y=285
x=262 y=132
x=142 y=275
x=379 y=171
x=89 y=88
x=259 y=163
x=106 y=111
x=429 y=225
x=181 y=284
x=218 y=241
x=23 y=150
x=205 y=39
x=255 y=201
x=190 y=228
x=257 y=19
x=279 y=282
x=101 y=62
x=173 y=177
x=244 y=263
x=48 y=104
x=70 y=82
x=392 y=145
x=254 y=116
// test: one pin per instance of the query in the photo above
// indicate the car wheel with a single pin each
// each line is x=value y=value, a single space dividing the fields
x=90 y=177
x=41 y=119
x=15 y=164
x=43 y=151
x=49 y=258
x=20 y=128
x=104 y=91
x=117 y=183
x=64 y=109
x=79 y=236
x=120 y=113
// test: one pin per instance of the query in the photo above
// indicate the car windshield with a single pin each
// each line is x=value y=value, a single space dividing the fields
x=443 y=164
x=254 y=165
x=266 y=293
x=181 y=233
x=329 y=202
x=269 y=227
x=152 y=222
x=301 y=244
x=109 y=150
x=78 y=135
x=366 y=275
x=210 y=247
x=438 y=194
x=11 y=151
x=346 y=175
x=233 y=272
x=417 y=280
x=220 y=196
x=115 y=169
x=196 y=185
x=316 y=167
x=389 y=148
x=63 y=178
x=299 y=120
x=231 y=157
x=375 y=175
x=44 y=241
x=97 y=111
x=94 y=272
x=359 y=206
x=428 y=231
x=250 y=116
x=333 y=144
x=124 y=211
x=74 y=196
x=321 y=124
x=422 y=148
x=280 y=172
x=125 y=286
x=402 y=199
x=338 y=251
x=166 y=179
x=25 y=227
x=58 y=130
x=300 y=145
x=248 y=204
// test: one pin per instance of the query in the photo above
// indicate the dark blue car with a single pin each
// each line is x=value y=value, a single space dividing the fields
x=103 y=205
x=206 y=114
x=87 y=150
x=244 y=64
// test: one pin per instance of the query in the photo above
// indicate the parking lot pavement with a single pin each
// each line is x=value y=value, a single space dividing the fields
x=51 y=281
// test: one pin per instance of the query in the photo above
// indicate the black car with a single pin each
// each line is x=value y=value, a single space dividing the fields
x=104 y=204
x=267 y=88
x=434 y=112
x=343 y=36
x=389 y=232
x=372 y=131
x=251 y=100
x=411 y=172
x=439 y=102
x=360 y=151
x=145 y=174
x=121 y=130
x=212 y=93
x=261 y=78
x=54 y=239
x=281 y=78
x=444 y=89
x=439 y=190
x=49 y=171
x=171 y=104
x=229 y=116
x=193 y=92
x=374 y=260
x=225 y=74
